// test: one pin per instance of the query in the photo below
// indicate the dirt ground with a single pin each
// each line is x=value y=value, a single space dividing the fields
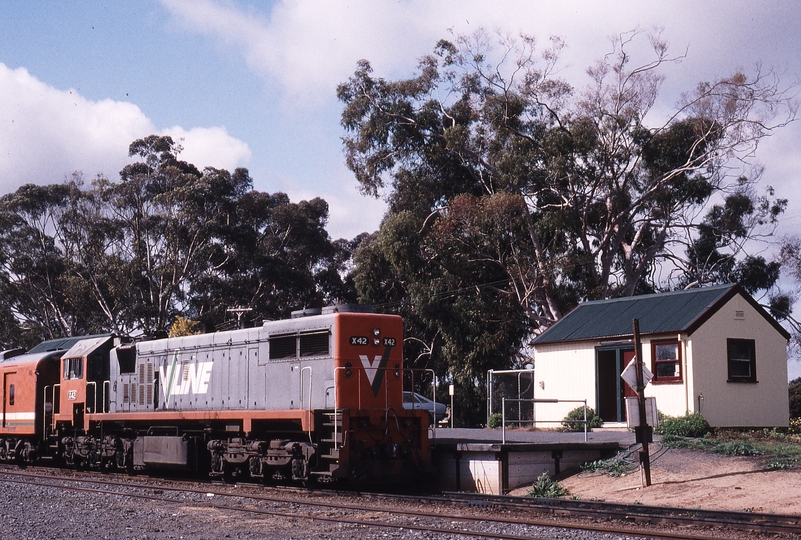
x=696 y=479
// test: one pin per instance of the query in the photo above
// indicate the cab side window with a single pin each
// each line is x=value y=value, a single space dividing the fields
x=73 y=368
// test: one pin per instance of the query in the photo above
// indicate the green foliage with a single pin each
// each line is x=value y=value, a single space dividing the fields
x=547 y=488
x=574 y=420
x=778 y=449
x=689 y=425
x=127 y=257
x=795 y=398
x=616 y=466
x=184 y=327
x=495 y=420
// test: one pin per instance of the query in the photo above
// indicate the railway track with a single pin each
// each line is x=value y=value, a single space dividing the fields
x=448 y=516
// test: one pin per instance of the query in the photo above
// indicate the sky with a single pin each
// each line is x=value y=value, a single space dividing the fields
x=246 y=83
x=253 y=84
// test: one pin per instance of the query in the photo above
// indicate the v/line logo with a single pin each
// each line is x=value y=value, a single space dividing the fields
x=180 y=380
x=375 y=368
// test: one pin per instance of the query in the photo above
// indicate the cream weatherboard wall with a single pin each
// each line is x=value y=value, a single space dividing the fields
x=563 y=371
x=739 y=404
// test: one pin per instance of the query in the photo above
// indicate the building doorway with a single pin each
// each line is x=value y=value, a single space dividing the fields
x=610 y=389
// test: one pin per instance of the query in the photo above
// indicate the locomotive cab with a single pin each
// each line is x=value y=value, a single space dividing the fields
x=83 y=388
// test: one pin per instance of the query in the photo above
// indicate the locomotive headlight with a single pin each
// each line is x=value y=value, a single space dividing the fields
x=376 y=331
x=376 y=342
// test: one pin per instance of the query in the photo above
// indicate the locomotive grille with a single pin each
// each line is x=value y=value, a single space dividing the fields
x=314 y=344
x=126 y=396
x=283 y=347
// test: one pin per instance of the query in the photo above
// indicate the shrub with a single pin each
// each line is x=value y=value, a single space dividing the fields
x=546 y=488
x=689 y=425
x=795 y=398
x=616 y=466
x=495 y=420
x=574 y=421
x=736 y=448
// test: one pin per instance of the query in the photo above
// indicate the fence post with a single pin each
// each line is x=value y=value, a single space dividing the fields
x=503 y=420
x=585 y=420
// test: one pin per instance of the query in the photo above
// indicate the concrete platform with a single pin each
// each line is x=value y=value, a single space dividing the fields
x=476 y=460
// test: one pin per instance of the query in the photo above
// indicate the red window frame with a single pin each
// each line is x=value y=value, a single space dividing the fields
x=660 y=367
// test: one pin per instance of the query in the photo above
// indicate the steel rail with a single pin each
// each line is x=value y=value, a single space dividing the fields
x=50 y=481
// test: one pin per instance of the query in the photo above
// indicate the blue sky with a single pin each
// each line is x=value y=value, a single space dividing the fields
x=253 y=84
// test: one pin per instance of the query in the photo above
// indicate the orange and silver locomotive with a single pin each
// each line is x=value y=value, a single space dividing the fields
x=315 y=397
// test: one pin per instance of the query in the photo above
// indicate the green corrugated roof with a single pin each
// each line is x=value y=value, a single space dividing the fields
x=661 y=313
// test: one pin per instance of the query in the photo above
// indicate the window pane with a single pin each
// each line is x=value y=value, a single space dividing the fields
x=667 y=369
x=739 y=369
x=742 y=362
x=667 y=351
x=740 y=350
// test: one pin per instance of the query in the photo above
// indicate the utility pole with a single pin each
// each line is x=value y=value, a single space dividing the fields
x=643 y=431
x=239 y=311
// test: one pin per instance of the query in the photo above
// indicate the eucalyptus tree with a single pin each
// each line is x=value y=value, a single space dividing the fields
x=505 y=182
x=602 y=188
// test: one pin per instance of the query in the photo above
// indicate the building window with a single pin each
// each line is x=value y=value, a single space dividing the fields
x=666 y=361
x=741 y=360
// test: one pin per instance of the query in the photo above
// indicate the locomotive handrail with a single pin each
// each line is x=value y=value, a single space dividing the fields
x=56 y=403
x=106 y=384
x=44 y=416
x=309 y=409
x=93 y=383
x=336 y=413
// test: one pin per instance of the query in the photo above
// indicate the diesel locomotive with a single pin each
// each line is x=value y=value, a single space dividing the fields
x=318 y=397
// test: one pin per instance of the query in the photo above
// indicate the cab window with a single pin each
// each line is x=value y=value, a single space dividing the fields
x=73 y=368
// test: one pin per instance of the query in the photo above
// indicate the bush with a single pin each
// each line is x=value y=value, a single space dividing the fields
x=546 y=488
x=795 y=398
x=495 y=420
x=574 y=421
x=689 y=425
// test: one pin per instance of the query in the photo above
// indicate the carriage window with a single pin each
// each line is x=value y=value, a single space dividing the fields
x=283 y=347
x=73 y=368
x=315 y=344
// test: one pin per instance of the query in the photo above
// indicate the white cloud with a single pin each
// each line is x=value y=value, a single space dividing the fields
x=46 y=134
x=210 y=147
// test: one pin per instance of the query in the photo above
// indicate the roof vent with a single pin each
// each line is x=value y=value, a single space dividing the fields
x=308 y=312
x=348 y=308
x=739 y=314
